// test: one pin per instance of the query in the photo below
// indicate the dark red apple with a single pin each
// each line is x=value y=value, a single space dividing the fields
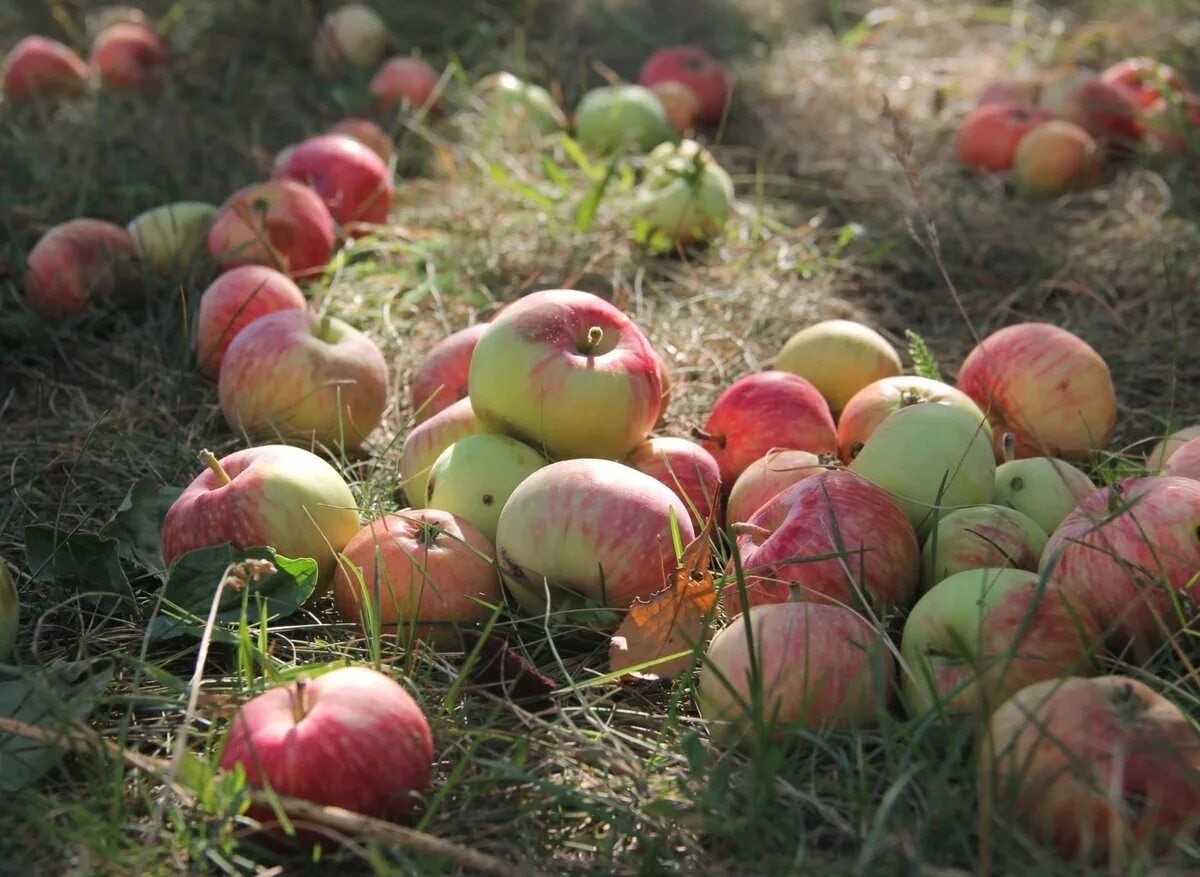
x=698 y=70
x=351 y=179
x=38 y=67
x=279 y=223
x=441 y=378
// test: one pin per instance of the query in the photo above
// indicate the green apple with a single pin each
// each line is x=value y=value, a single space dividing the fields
x=426 y=441
x=685 y=197
x=515 y=106
x=980 y=537
x=172 y=236
x=621 y=118
x=474 y=477
x=10 y=611
x=1045 y=489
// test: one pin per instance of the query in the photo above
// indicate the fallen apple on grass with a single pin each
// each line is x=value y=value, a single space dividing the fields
x=79 y=264
x=618 y=119
x=680 y=103
x=1045 y=489
x=1145 y=80
x=38 y=68
x=1056 y=158
x=840 y=358
x=766 y=477
x=684 y=199
x=368 y=134
x=171 y=238
x=696 y=69
x=1166 y=447
x=406 y=83
x=10 y=612
x=686 y=468
x=1185 y=462
x=441 y=378
x=981 y=537
x=426 y=441
x=235 y=300
x=280 y=223
x=350 y=36
x=1104 y=110
x=129 y=56
x=988 y=137
x=474 y=477
x=353 y=181
x=514 y=106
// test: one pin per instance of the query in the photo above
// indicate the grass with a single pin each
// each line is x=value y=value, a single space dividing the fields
x=846 y=209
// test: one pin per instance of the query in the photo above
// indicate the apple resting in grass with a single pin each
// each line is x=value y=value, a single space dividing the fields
x=870 y=552
x=1166 y=448
x=426 y=573
x=280 y=223
x=408 y=83
x=368 y=134
x=820 y=667
x=686 y=468
x=978 y=637
x=1045 y=386
x=1045 y=489
x=1146 y=81
x=1105 y=770
x=350 y=738
x=129 y=56
x=10 y=611
x=680 y=103
x=621 y=119
x=426 y=441
x=839 y=357
x=1129 y=552
x=1185 y=462
x=41 y=68
x=353 y=181
x=171 y=238
x=684 y=198
x=763 y=411
x=765 y=477
x=235 y=300
x=988 y=137
x=441 y=378
x=77 y=264
x=273 y=495
x=353 y=35
x=695 y=68
x=1056 y=158
x=514 y=106
x=567 y=373
x=295 y=375
x=588 y=533
x=475 y=476
x=1104 y=110
x=981 y=537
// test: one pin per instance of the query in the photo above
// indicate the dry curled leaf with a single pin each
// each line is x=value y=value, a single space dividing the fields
x=500 y=669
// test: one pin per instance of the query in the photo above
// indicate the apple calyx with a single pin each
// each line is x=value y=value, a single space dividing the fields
x=299 y=705
x=1008 y=446
x=718 y=440
x=910 y=397
x=595 y=337
x=826 y=458
x=428 y=533
x=209 y=459
x=1127 y=705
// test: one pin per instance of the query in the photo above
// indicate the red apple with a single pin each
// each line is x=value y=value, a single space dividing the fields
x=130 y=57
x=441 y=378
x=78 y=263
x=353 y=35
x=368 y=134
x=680 y=102
x=1171 y=124
x=1185 y=462
x=686 y=468
x=1145 y=80
x=235 y=300
x=981 y=537
x=988 y=137
x=698 y=70
x=1056 y=158
x=1167 y=446
x=871 y=405
x=280 y=223
x=408 y=82
x=353 y=181
x=1022 y=91
x=38 y=67
x=765 y=477
x=296 y=375
x=1104 y=110
x=425 y=443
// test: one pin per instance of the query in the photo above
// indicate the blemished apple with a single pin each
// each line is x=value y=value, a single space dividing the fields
x=763 y=411
x=426 y=441
x=1129 y=553
x=871 y=405
x=567 y=373
x=351 y=36
x=78 y=264
x=1146 y=80
x=685 y=197
x=407 y=83
x=235 y=300
x=1056 y=158
x=1044 y=385
x=1105 y=770
x=170 y=238
x=351 y=179
x=616 y=119
x=129 y=56
x=1185 y=462
x=1045 y=489
x=1104 y=110
x=276 y=495
x=10 y=612
x=514 y=106
x=988 y=137
x=586 y=533
x=45 y=69
x=680 y=102
x=368 y=134
x=978 y=637
x=1164 y=448
x=819 y=667
x=350 y=738
x=932 y=459
x=424 y=574
x=765 y=477
x=695 y=68
x=833 y=537
x=1021 y=91
x=686 y=468
x=441 y=378
x=280 y=223
x=981 y=537
x=295 y=375
x=839 y=357
x=475 y=476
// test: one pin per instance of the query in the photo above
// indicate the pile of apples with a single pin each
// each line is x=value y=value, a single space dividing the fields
x=1054 y=133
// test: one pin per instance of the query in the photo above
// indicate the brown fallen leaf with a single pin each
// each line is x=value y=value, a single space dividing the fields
x=501 y=670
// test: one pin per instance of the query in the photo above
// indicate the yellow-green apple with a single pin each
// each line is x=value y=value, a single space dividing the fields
x=38 y=67
x=235 y=300
x=680 y=103
x=981 y=537
x=1165 y=449
x=350 y=36
x=351 y=179
x=129 y=56
x=976 y=638
x=816 y=666
x=871 y=405
x=762 y=411
x=839 y=357
x=765 y=477
x=1103 y=109
x=932 y=459
x=686 y=468
x=1130 y=554
x=350 y=738
x=833 y=537
x=1056 y=158
x=425 y=573
x=10 y=611
x=441 y=378
x=1021 y=91
x=1185 y=462
x=685 y=197
x=586 y=533
x=1044 y=385
x=1146 y=81
x=426 y=441
x=77 y=264
x=621 y=118
x=171 y=237
x=297 y=375
x=1045 y=489
x=368 y=134
x=474 y=477
x=274 y=495
x=695 y=68
x=514 y=106
x=1105 y=770
x=568 y=373
x=406 y=82
x=988 y=136
x=279 y=223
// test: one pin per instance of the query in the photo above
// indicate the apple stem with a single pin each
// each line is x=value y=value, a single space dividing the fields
x=594 y=336
x=744 y=529
x=209 y=459
x=323 y=329
x=299 y=707
x=718 y=440
x=1008 y=446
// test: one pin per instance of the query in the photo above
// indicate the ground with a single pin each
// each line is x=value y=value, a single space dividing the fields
x=849 y=205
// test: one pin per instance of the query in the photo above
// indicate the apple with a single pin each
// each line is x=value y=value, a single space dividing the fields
x=129 y=56
x=1145 y=80
x=353 y=35
x=297 y=375
x=833 y=537
x=441 y=378
x=1171 y=124
x=680 y=103
x=1185 y=462
x=1129 y=552
x=77 y=264
x=171 y=237
x=568 y=373
x=426 y=573
x=1105 y=770
x=839 y=357
x=1045 y=489
x=763 y=411
x=1104 y=110
x=1021 y=91
x=350 y=738
x=685 y=197
x=275 y=495
x=41 y=68
x=621 y=119
x=767 y=476
x=981 y=537
x=474 y=477
x=978 y=637
x=10 y=612
x=368 y=134
x=686 y=468
x=585 y=533
x=1045 y=386
x=235 y=300
x=818 y=666
x=698 y=70
x=871 y=405
x=353 y=181
x=1056 y=158
x=932 y=459
x=426 y=441
x=1166 y=447
x=515 y=106
x=988 y=137
x=280 y=223
x=408 y=82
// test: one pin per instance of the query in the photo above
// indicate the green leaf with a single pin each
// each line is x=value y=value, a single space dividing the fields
x=586 y=214
x=924 y=363
x=137 y=525
x=87 y=561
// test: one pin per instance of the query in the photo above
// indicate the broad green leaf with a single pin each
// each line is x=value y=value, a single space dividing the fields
x=87 y=561
x=137 y=524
